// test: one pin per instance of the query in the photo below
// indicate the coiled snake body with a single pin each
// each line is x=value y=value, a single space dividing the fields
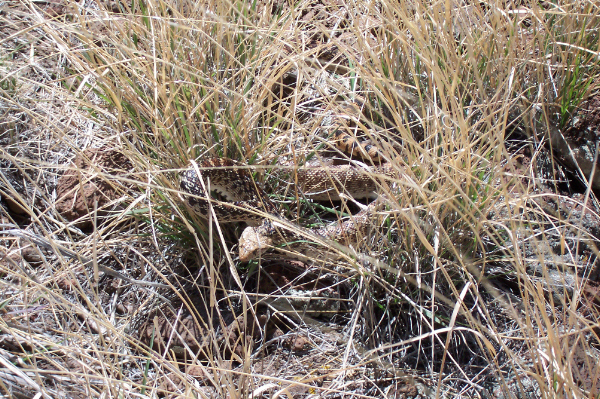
x=248 y=202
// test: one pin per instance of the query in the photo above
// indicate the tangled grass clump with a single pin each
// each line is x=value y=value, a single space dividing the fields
x=479 y=275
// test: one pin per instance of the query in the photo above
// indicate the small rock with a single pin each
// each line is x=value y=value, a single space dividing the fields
x=14 y=206
x=121 y=309
x=196 y=371
x=66 y=284
x=32 y=256
x=298 y=343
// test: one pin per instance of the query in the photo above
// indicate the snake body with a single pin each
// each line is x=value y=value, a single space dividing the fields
x=230 y=179
x=247 y=202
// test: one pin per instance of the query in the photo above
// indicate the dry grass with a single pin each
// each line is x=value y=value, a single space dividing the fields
x=457 y=289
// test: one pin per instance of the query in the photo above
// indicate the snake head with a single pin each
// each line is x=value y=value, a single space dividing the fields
x=253 y=243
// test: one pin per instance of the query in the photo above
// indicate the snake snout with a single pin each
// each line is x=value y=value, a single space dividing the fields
x=252 y=243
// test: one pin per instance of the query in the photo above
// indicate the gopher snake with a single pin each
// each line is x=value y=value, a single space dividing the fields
x=248 y=202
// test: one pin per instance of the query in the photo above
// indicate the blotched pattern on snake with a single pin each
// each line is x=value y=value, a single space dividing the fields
x=248 y=202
